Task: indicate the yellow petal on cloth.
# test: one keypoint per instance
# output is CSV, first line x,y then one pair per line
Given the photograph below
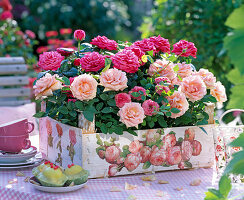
x,y
148,178
20,173
196,182
162,182
115,189
129,186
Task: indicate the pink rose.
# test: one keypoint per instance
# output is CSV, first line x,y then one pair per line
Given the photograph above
x,y
46,85
113,79
185,49
101,154
161,44
77,62
1,41
181,165
137,89
72,137
50,60
207,77
193,87
138,52
121,99
178,100
184,69
145,153
152,136
160,79
104,43
120,160
126,60
145,45
158,156
135,146
131,114
112,170
30,34
197,148
160,89
150,107
219,92
111,154
186,150
92,62
163,68
174,155
132,161
79,35
6,15
189,134
84,87
59,130
169,140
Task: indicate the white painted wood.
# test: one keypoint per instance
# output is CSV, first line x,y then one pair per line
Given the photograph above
x,y
15,92
12,60
14,80
14,103
13,69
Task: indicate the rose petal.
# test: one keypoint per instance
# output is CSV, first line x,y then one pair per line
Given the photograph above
x,y
159,193
115,189
20,173
13,181
131,197
196,182
27,179
146,184
162,182
179,188
129,186
148,178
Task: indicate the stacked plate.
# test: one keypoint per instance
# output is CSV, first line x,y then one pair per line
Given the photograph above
x,y
26,158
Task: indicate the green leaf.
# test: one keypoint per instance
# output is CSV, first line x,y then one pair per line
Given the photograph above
x,y
188,164
151,124
73,113
203,129
99,106
111,102
143,98
131,132
150,53
168,114
79,105
225,185
65,88
107,110
104,97
40,114
63,110
146,165
209,98
66,80
108,62
174,110
176,68
89,115
234,164
135,94
150,59
162,122
235,19
213,194
238,142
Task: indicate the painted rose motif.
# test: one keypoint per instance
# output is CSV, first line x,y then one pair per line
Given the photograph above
x,y
152,137
169,140
181,165
59,130
120,160
158,156
72,137
174,155
197,148
101,154
111,154
49,127
189,134
186,150
145,153
135,146
132,161
112,170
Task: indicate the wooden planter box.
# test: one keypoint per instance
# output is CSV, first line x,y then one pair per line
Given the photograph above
x,y
151,150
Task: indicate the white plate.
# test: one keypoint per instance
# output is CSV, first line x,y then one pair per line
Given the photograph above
x,y
20,157
57,189
22,166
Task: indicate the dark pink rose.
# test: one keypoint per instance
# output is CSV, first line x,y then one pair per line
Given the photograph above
x,y
101,154
121,99
197,148
103,42
72,137
111,154
77,62
186,150
169,140
174,155
65,51
132,161
145,153
161,44
126,60
50,60
72,100
189,134
158,156
150,107
160,79
145,45
92,62
185,49
138,52
137,89
30,34
181,165
79,35
112,170
1,41
6,15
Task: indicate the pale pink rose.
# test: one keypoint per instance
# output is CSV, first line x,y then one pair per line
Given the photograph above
x,y
135,146
112,170
101,154
132,161
150,107
219,92
46,85
131,114
176,81
72,137
158,156
178,100
189,134
160,89
184,69
197,148
152,136
111,154
174,155
120,160
145,153
208,78
181,165
194,88
169,140
186,150
121,99
84,87
162,68
113,79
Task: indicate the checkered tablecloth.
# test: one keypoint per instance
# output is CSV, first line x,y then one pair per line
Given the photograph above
x,y
100,188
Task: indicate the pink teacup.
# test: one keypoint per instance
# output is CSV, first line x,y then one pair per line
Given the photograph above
x,y
16,128
14,144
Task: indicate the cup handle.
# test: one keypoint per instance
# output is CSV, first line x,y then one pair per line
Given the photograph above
x,y
27,144
30,127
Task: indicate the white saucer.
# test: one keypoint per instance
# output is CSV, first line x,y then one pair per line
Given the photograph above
x,y
19,157
57,189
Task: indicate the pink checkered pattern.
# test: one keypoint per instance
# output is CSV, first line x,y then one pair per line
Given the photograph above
x,y
100,188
